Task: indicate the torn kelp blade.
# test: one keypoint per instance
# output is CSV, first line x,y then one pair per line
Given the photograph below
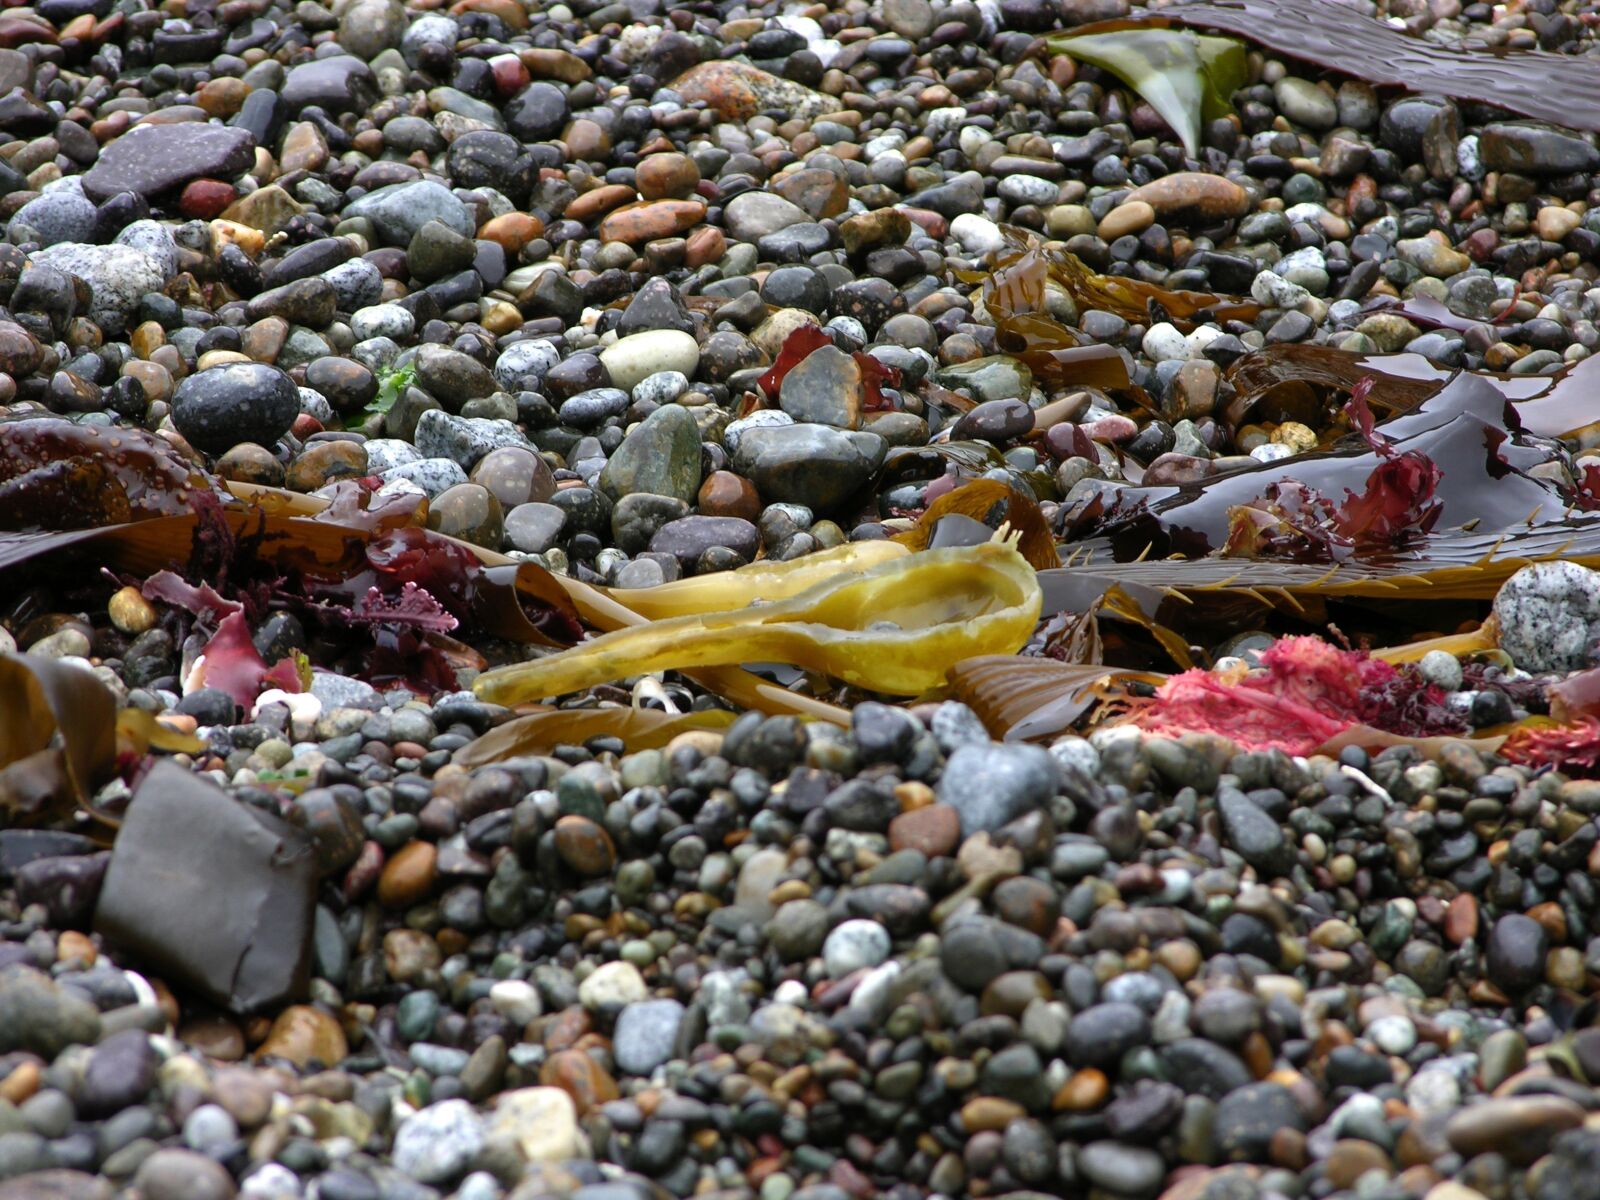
x,y
214,894
1186,77
58,474
1561,88
1036,699
896,628
989,503
1308,383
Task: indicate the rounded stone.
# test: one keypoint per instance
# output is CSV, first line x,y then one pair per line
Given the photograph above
x,y
218,408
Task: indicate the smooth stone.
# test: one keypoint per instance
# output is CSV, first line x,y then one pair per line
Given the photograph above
x,y
218,408
439,1142
542,1121
812,465
155,159
645,1035
465,440
630,360
992,785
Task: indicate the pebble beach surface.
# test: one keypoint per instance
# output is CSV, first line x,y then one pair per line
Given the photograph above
x,y
529,259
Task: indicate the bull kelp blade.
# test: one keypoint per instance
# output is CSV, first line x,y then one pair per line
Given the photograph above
x,y
897,627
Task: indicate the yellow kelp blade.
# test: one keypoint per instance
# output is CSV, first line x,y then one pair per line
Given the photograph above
x,y
759,583
895,628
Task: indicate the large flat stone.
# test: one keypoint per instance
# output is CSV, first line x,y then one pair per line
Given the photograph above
x,y
156,159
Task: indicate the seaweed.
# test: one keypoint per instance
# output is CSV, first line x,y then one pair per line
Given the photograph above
x,y
1186,77
897,627
1560,88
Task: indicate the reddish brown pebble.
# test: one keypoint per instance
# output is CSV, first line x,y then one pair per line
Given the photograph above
x,y
724,494
934,830
640,223
205,199
584,846
599,201
409,875
578,1074
666,176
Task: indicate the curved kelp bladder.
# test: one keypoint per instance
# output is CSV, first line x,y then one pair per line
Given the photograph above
x,y
897,627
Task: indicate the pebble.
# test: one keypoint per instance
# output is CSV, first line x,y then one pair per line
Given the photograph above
x,y
531,264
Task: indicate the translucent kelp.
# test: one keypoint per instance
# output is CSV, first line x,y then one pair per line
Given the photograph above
x,y
988,503
57,737
57,474
1014,290
1466,430
1560,88
897,627
1186,77
1311,384
542,731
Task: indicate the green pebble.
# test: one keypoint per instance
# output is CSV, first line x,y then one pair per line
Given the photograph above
x,y
416,1015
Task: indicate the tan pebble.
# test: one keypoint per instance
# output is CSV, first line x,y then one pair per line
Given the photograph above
x,y
22,1083
73,945
1553,222
131,612
409,875
1131,216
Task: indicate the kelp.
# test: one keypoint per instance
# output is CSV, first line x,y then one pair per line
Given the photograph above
x,y
56,474
1310,384
759,582
57,737
594,606
991,503
1484,480
1188,78
1013,293
895,628
1452,566
542,731
1037,699
1561,88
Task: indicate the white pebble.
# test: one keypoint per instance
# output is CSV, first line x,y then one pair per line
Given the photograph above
x,y
1442,668
1274,290
516,1000
977,235
1163,342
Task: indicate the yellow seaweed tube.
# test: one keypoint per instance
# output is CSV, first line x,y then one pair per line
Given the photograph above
x,y
897,627
760,582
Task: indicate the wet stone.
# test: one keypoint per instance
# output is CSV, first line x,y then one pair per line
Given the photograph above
x,y
155,159
219,408
991,785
